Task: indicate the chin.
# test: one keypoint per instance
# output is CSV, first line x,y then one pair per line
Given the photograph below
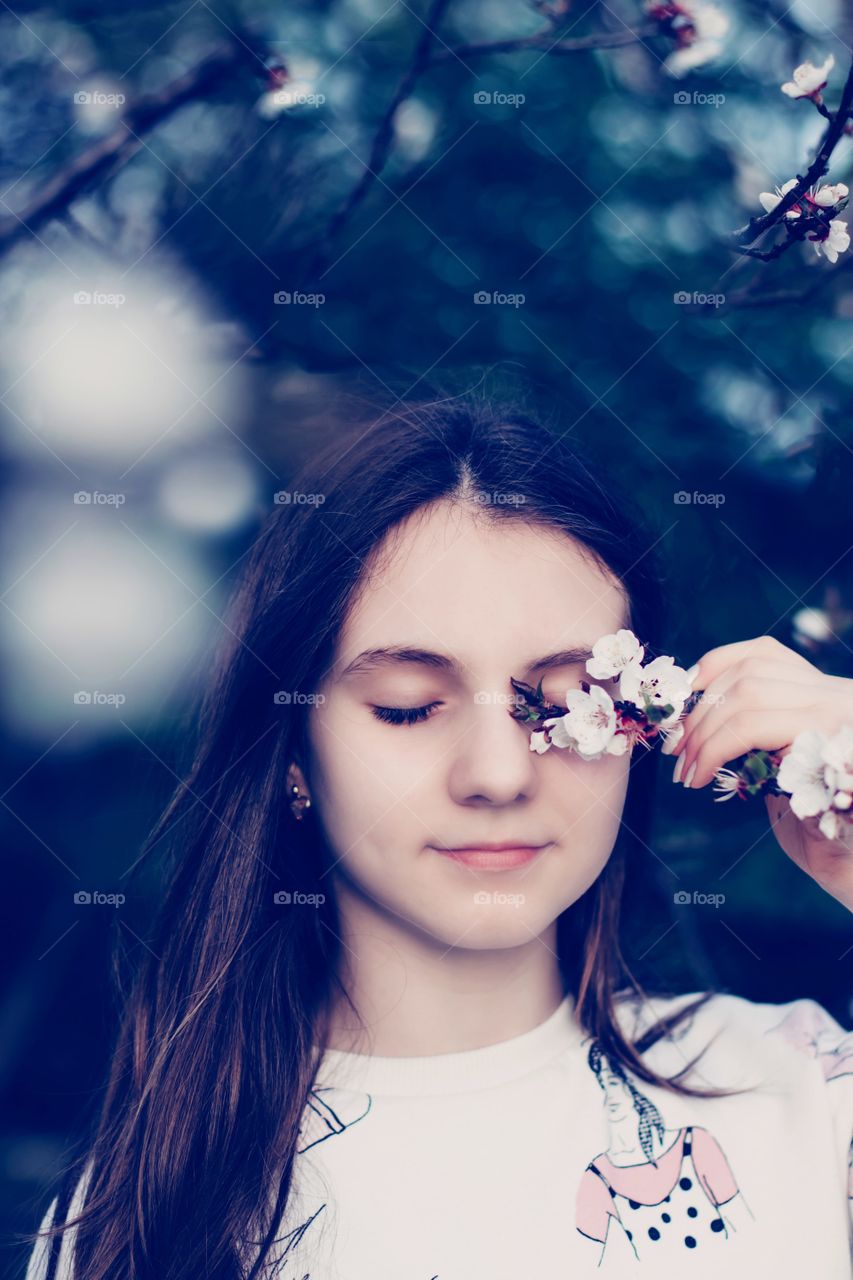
x,y
490,926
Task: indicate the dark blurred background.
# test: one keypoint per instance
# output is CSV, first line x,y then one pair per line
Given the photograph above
x,y
225,230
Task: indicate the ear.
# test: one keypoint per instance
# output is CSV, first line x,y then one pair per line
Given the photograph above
x,y
295,777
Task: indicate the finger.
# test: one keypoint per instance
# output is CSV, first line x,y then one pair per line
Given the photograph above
x,y
740,680
716,661
764,695
768,729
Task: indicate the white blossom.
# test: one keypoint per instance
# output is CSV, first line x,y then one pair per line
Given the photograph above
x,y
838,754
838,240
706,25
812,624
657,684
808,79
830,825
293,86
727,782
802,773
612,653
835,827
830,194
538,741
589,725
671,736
770,199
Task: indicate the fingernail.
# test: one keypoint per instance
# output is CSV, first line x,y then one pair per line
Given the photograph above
x,y
692,673
676,773
690,773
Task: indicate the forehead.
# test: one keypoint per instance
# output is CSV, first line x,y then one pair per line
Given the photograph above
x,y
487,592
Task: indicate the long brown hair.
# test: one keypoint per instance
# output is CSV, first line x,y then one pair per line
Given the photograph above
x,y
191,1153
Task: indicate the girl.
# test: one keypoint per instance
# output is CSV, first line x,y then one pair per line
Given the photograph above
x,y
384,1027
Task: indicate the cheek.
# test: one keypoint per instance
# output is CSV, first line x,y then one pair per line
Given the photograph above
x,y
374,777
590,794
587,800
364,793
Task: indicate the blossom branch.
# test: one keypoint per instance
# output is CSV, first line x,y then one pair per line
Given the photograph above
x,y
783,246
693,26
653,700
836,129
752,297
384,136
546,41
108,154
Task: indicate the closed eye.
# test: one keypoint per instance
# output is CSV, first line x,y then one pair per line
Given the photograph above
x,y
404,715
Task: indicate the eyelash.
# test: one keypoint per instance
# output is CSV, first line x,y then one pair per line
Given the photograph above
x,y
404,715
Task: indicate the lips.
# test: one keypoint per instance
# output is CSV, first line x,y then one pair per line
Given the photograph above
x,y
493,846
502,856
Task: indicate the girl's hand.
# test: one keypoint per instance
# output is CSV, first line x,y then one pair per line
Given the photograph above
x,y
759,693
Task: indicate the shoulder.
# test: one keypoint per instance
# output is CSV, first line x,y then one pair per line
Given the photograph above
x,y
797,1039
37,1265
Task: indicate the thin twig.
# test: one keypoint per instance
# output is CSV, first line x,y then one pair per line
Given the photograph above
x,y
770,255
105,156
384,136
545,41
819,166
748,297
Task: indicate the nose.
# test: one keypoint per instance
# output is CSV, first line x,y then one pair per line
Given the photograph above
x,y
492,762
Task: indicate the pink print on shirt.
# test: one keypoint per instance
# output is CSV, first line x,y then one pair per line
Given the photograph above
x,y
655,1192
809,1028
813,1031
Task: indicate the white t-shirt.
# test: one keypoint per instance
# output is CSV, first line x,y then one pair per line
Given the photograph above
x,y
536,1158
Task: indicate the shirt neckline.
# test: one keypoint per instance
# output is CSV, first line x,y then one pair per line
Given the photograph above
x,y
443,1073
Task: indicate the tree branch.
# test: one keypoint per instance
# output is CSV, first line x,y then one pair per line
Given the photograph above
x,y
105,156
748,297
384,136
819,166
546,41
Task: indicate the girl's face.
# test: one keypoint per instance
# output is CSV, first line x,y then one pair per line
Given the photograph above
x,y
617,1098
489,601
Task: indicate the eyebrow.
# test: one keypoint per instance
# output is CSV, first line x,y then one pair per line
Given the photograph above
x,y
402,655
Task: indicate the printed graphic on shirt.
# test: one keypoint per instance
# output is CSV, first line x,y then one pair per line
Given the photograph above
x,y
655,1192
811,1030
328,1113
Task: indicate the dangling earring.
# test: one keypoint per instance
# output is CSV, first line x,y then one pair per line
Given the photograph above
x,y
300,800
